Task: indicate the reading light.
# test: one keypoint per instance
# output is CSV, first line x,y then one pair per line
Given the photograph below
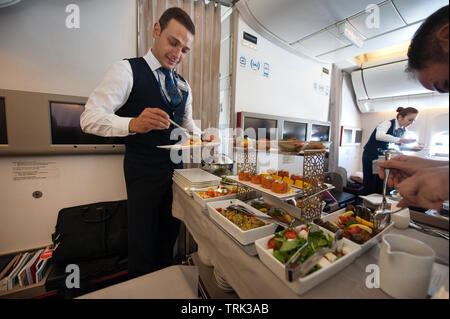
x,y
351,34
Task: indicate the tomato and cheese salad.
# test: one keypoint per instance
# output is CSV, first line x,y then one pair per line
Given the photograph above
x,y
286,242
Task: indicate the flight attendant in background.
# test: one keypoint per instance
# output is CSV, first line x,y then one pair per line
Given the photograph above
x,y
386,132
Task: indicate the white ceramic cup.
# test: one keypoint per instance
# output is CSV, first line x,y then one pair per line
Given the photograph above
x,y
401,219
405,266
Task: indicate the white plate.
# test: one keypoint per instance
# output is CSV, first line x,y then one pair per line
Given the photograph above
x,y
244,237
291,191
196,175
334,217
185,183
203,201
178,147
302,285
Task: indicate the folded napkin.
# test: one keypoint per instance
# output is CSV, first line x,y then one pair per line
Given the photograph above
x,y
376,199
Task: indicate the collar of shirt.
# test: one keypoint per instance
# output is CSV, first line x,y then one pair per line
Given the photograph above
x,y
397,125
153,63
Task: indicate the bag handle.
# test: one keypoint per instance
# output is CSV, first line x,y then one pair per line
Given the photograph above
x,y
107,215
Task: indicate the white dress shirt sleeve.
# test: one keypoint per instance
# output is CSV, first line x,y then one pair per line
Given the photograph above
x,y
382,135
98,117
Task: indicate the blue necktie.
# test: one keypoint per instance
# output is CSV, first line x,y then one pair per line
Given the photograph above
x,y
399,132
171,88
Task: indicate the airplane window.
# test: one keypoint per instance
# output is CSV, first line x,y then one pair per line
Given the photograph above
x,y
440,144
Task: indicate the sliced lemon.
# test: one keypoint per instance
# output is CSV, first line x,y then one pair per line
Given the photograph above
x,y
362,227
347,214
364,222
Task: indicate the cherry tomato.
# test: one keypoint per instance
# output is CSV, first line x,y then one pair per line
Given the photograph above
x,y
219,210
273,244
354,230
343,219
290,234
211,193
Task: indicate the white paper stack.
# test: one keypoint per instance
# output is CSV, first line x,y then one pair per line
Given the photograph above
x,y
194,178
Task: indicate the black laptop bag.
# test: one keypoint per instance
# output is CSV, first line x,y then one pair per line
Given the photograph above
x,y
88,232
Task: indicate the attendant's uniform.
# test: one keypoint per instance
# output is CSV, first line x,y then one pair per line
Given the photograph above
x,y
385,133
128,88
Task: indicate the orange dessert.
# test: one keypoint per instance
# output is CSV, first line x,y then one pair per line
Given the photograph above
x,y
245,176
283,173
266,182
279,187
296,177
256,179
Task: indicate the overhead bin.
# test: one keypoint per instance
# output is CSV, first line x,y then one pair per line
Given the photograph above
x,y
388,80
384,87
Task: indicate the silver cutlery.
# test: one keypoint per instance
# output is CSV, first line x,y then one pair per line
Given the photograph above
x,y
185,131
269,219
427,230
292,269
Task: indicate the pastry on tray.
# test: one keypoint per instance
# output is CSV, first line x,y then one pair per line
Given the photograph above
x,y
266,182
245,176
283,173
256,179
279,187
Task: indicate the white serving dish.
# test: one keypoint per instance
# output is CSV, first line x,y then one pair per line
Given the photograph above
x,y
203,201
302,285
196,176
334,217
244,237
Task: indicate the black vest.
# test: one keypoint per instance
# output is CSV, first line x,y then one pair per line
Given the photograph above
x,y
146,93
373,144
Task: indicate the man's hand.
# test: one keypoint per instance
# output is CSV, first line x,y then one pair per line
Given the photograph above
x,y
149,119
403,166
428,188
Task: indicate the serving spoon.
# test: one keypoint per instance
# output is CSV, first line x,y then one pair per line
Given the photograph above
x,y
384,209
262,218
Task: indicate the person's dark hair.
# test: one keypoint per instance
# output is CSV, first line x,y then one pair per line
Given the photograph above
x,y
403,111
178,14
425,46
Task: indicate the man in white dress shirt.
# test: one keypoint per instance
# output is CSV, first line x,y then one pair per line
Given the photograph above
x,y
135,100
